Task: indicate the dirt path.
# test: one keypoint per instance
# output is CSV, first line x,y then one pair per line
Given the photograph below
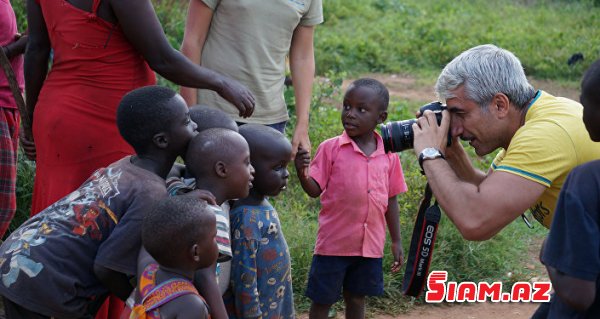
x,y
414,89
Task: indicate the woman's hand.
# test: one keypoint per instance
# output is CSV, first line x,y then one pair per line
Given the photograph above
x,y
238,95
27,143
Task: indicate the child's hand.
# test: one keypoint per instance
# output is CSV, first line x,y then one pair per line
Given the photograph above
x,y
204,195
398,254
177,170
302,162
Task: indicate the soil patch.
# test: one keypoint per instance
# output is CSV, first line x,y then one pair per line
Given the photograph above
x,y
407,87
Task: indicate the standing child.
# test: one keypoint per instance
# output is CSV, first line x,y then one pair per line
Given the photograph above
x,y
261,280
13,46
358,183
179,237
571,253
64,261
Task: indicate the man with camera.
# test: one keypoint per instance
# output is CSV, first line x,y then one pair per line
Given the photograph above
x,y
491,105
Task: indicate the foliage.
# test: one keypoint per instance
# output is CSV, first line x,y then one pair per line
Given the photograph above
x,y
419,37
413,35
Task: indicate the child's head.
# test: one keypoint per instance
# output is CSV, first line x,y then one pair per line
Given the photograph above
x,y
209,117
270,152
590,99
365,106
155,117
220,158
180,233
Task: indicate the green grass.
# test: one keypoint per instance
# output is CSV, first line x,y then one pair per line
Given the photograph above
x,y
418,38
416,35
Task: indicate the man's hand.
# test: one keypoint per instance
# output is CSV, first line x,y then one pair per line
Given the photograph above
x,y
427,133
238,95
398,254
26,139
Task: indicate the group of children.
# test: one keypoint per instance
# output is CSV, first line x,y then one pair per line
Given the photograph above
x,y
202,239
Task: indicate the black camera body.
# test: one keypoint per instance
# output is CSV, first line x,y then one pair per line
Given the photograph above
x,y
398,135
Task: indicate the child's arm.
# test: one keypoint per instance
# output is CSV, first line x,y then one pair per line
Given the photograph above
x,y
117,283
189,307
392,218
302,162
579,294
177,170
205,280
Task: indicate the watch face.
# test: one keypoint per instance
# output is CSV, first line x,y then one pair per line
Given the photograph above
x,y
430,152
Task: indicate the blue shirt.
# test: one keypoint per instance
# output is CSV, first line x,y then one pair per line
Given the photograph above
x,y
261,278
573,245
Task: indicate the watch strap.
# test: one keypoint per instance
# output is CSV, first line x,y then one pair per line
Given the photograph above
x,y
422,158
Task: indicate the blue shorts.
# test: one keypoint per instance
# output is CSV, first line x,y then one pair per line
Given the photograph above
x,y
355,274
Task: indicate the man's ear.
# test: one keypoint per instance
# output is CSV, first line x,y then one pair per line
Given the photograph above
x,y
160,140
221,169
500,105
195,252
382,117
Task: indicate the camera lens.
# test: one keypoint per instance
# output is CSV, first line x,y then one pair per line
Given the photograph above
x,y
397,136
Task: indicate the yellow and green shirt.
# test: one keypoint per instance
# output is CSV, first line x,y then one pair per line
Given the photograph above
x,y
547,147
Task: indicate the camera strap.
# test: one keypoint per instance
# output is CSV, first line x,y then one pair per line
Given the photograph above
x,y
421,245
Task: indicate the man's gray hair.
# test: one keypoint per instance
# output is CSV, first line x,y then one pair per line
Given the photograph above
x,y
485,70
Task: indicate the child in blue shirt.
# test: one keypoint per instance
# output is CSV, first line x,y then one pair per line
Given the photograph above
x,y
261,280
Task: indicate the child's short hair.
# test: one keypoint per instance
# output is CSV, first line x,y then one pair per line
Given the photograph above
x,y
209,146
378,87
173,226
207,117
144,112
591,82
258,135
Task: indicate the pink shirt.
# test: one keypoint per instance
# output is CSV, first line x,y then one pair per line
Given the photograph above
x,y
8,29
354,201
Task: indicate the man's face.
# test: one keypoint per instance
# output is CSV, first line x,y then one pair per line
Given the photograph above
x,y
473,124
591,115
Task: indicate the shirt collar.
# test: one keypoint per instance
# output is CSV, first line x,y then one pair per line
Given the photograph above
x,y
345,139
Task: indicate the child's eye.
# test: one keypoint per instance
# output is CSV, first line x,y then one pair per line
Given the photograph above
x,y
346,107
362,110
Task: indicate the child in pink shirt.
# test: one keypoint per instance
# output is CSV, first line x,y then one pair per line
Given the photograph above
x,y
358,184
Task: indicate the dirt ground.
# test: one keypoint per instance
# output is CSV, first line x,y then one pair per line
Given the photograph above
x,y
411,88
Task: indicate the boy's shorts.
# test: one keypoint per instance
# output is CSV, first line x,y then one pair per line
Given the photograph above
x,y
355,274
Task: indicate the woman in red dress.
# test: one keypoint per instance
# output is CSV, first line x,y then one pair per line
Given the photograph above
x,y
101,51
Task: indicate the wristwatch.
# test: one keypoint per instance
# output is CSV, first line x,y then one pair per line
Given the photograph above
x,y
429,153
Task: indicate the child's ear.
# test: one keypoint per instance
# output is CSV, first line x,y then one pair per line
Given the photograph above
x,y
221,169
382,117
160,140
195,252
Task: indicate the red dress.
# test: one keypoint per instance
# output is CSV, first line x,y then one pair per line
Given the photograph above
x,y
74,125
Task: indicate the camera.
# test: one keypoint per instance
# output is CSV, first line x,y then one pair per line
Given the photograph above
x,y
398,135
